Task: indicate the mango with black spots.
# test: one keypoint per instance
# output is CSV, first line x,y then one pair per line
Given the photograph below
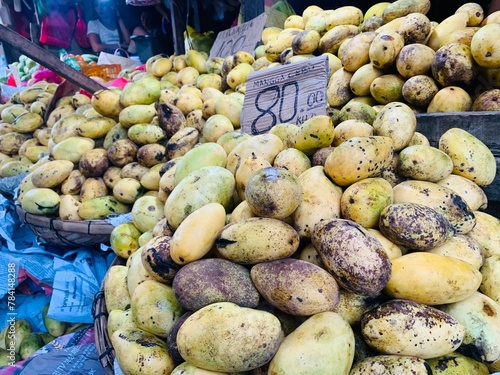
x,y
404,327
273,192
358,158
422,162
353,255
480,316
205,185
211,280
27,122
391,364
321,200
213,338
52,173
471,157
440,198
455,364
304,288
41,201
101,207
136,348
182,142
156,259
257,239
415,226
155,308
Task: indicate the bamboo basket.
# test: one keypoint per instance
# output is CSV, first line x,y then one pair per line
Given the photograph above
x,y
67,233
103,345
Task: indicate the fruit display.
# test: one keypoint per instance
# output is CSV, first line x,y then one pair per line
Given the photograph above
x,y
30,72
340,245
25,68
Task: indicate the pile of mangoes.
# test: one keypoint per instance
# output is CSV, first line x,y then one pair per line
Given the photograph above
x,y
340,245
394,52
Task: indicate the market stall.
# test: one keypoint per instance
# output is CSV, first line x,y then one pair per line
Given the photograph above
x,y
315,190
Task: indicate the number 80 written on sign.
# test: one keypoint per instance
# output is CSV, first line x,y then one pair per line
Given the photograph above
x,y
288,92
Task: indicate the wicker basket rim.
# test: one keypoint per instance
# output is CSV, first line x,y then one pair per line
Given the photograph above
x,y
103,344
84,226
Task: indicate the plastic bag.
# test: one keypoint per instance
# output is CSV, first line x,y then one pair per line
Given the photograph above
x,y
73,353
7,90
201,42
56,27
68,59
108,58
277,12
46,75
81,30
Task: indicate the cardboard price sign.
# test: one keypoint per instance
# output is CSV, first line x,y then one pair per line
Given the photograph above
x,y
291,93
240,38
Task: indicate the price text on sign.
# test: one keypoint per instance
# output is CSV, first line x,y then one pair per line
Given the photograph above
x,y
291,93
240,38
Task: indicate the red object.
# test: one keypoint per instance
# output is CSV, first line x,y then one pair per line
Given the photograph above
x,y
11,81
46,75
81,30
86,93
117,82
25,289
22,24
57,28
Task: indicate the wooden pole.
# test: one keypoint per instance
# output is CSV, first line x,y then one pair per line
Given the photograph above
x,y
178,11
48,60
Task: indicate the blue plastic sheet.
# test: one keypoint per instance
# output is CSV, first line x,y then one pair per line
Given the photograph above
x,y
69,278
42,273
73,354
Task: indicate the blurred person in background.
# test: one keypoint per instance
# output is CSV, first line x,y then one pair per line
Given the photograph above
x,y
155,24
153,21
108,32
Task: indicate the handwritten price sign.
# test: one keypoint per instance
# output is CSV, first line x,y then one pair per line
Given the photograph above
x,y
240,38
290,93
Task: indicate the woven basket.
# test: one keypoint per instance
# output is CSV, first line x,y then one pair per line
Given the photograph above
x,y
67,233
103,345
